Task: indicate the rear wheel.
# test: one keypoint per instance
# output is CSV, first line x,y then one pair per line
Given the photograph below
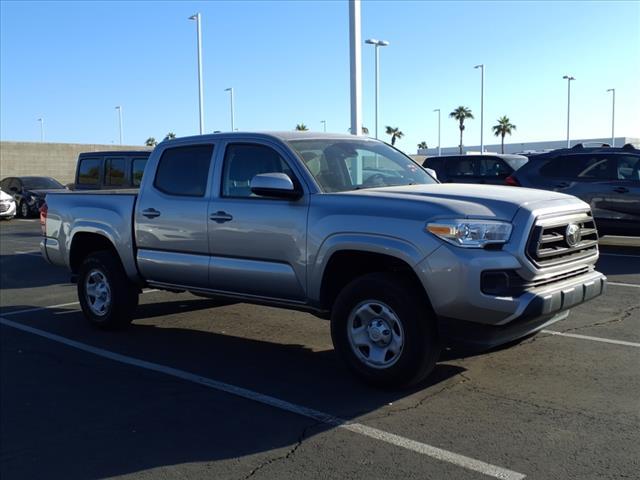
x,y
383,329
107,296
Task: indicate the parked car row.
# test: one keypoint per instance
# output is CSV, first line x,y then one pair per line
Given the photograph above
x,y
28,193
608,179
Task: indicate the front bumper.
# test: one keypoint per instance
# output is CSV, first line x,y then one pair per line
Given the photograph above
x,y
540,308
8,210
452,278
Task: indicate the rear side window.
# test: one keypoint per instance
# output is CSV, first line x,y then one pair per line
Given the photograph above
x,y
460,167
137,170
587,167
494,167
184,171
114,171
89,171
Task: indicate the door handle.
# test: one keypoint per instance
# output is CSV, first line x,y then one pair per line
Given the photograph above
x,y
220,217
151,213
621,190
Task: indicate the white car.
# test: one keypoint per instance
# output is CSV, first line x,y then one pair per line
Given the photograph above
x,y
7,206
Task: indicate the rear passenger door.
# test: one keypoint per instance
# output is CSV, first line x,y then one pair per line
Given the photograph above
x,y
258,244
171,217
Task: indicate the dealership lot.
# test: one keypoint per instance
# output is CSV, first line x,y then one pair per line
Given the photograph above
x,y
196,389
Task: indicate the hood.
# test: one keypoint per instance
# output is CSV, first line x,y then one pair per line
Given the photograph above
x,y
5,196
471,200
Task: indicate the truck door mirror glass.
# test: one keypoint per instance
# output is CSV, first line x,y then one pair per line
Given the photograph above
x,y
276,185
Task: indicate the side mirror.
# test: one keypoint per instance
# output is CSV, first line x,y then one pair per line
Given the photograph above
x,y
275,185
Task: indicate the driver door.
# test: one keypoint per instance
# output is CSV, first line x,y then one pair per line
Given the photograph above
x,y
257,244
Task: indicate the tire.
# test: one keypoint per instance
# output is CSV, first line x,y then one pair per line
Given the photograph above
x,y
385,309
114,298
23,210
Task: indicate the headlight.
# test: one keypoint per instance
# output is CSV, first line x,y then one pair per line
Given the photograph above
x,y
471,233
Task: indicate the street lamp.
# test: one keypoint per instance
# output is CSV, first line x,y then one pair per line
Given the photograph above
x,y
438,110
568,78
119,109
230,90
41,120
613,116
324,125
377,44
481,67
197,18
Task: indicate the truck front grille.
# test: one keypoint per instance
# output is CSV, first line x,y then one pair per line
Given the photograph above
x,y
551,241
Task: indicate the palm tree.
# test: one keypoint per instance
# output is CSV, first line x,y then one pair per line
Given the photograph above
x,y
150,142
170,136
395,134
461,114
504,127
423,145
301,127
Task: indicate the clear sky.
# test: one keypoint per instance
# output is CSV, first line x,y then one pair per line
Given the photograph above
x,y
288,61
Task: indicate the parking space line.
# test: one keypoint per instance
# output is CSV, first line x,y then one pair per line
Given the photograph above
x,y
593,339
60,305
374,433
35,253
620,284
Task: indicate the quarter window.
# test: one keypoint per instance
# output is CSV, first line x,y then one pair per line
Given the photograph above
x,y
89,171
242,162
184,171
114,171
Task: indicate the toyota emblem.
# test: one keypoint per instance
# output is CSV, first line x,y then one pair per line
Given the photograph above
x,y
573,234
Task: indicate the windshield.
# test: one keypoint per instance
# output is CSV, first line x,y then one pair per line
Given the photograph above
x,y
339,165
40,183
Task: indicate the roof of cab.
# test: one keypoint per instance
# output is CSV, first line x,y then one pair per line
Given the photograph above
x,y
281,135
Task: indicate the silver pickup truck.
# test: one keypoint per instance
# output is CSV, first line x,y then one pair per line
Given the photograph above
x,y
347,228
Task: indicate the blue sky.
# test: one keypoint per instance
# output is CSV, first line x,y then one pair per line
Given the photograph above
x,y
288,61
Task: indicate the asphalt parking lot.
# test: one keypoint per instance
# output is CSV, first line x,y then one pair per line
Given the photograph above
x,y
196,389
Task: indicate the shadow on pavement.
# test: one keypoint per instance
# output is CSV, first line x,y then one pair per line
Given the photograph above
x,y
68,414
29,271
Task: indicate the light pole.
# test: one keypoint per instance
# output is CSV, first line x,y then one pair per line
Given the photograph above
x,y
197,18
568,78
355,67
377,44
324,125
41,120
613,116
481,67
230,90
119,109
438,110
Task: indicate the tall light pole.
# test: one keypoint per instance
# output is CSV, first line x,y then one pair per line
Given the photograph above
x,y
377,44
324,125
355,66
119,109
41,120
197,18
568,78
230,90
613,116
481,67
438,110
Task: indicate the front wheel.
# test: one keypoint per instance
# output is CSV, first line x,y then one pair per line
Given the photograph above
x,y
24,210
383,329
107,296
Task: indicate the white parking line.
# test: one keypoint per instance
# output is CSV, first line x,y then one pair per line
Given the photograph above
x,y
593,339
35,253
620,284
390,438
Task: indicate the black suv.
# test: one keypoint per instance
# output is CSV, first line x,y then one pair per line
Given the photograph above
x,y
114,169
606,178
489,168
